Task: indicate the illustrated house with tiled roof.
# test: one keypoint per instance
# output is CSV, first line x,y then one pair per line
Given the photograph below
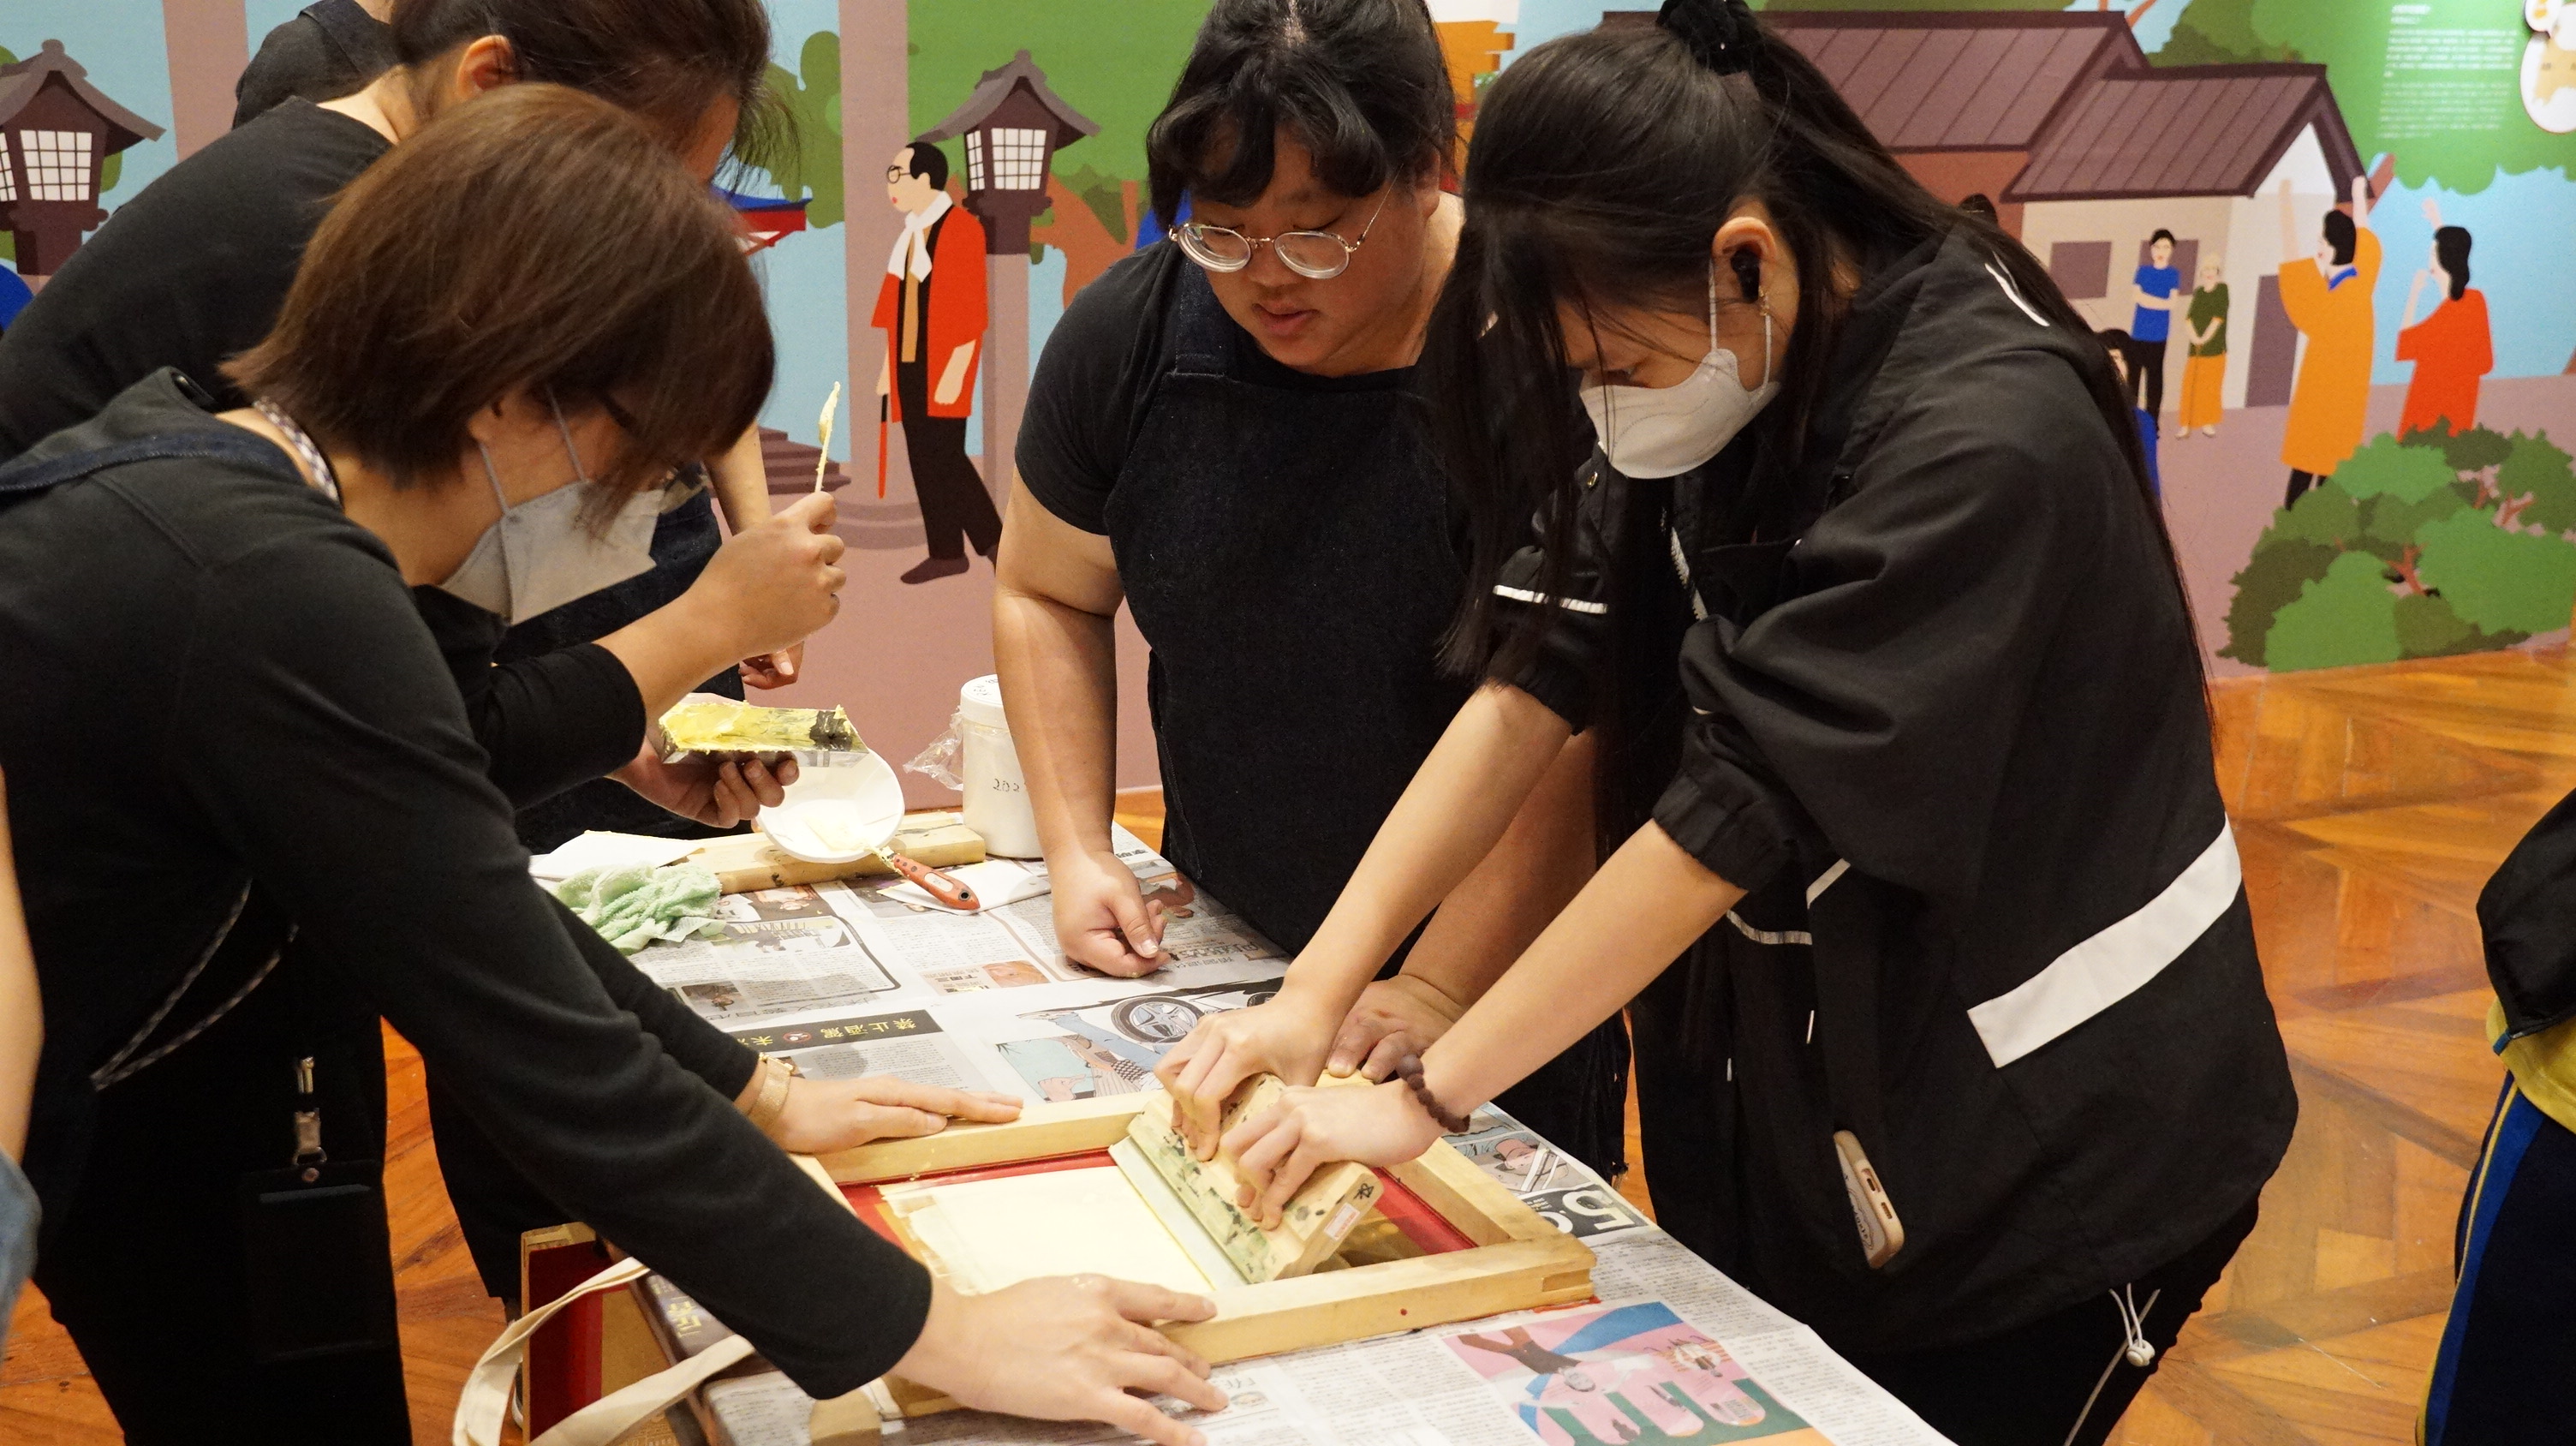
x,y
2086,150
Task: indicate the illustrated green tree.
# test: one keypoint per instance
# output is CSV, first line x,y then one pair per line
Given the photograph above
x,y
2474,450
2427,628
2218,32
2538,483
2387,467
2496,580
2397,556
806,161
2272,579
2346,617
1101,192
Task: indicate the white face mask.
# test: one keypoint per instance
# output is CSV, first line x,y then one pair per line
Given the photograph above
x,y
540,555
1666,431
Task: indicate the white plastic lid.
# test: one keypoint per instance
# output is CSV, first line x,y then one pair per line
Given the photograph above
x,y
980,701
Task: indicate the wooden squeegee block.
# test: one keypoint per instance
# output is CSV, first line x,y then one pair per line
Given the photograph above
x,y
1318,1218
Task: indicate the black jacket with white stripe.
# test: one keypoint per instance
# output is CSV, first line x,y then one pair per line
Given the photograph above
x,y
1939,709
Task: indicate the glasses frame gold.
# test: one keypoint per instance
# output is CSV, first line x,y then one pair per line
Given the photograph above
x,y
1191,237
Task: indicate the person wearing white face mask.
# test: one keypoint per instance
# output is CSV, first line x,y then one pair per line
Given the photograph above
x,y
1951,1039
478,388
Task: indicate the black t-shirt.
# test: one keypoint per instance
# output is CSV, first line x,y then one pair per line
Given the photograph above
x,y
1095,382
187,274
193,271
263,706
330,48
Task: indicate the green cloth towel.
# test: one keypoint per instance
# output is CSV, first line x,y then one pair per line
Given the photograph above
x,y
631,905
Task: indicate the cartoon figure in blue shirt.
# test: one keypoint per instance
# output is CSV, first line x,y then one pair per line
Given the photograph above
x,y
2153,290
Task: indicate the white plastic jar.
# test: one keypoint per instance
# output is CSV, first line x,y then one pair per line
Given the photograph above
x,y
997,799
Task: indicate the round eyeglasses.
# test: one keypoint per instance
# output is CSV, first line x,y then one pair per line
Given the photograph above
x,y
1316,255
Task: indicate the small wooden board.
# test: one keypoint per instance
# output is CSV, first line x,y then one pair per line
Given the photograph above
x,y
745,862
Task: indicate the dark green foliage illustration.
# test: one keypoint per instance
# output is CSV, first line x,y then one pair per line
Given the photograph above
x,y
2536,469
1101,195
2348,616
2219,32
2271,580
2437,545
805,161
2474,450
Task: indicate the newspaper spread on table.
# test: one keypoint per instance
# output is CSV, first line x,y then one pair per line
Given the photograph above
x,y
867,977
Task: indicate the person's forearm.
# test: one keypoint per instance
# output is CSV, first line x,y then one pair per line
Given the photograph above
x,y
1544,859
671,650
1627,926
22,1011
1068,747
741,483
694,1044
1456,809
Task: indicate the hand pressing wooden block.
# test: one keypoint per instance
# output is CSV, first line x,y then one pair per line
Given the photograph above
x,y
1317,1218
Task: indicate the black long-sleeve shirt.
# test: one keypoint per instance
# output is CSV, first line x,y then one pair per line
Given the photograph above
x,y
192,272
218,681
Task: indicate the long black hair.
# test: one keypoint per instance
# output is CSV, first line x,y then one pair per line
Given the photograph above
x,y
1359,83
2451,248
1602,166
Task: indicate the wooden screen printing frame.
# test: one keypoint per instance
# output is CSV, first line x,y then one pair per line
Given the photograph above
x,y
1516,1260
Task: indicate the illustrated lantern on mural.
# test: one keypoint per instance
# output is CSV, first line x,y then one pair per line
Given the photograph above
x,y
1011,127
56,133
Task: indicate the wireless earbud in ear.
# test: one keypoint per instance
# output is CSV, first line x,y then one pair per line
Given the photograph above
x,y
1748,272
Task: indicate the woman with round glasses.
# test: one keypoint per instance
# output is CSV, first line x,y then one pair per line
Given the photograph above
x,y
1224,434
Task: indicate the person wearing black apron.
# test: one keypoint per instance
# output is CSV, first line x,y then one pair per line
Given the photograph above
x,y
1224,433
1952,1042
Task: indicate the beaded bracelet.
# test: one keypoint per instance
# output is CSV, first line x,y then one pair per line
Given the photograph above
x,y
1409,1069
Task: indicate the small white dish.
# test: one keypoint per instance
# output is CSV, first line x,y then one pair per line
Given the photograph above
x,y
839,810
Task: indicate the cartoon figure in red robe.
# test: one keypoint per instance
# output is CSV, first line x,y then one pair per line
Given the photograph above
x,y
2452,348
931,309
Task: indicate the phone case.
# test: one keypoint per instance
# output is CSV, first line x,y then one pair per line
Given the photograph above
x,y
1881,1233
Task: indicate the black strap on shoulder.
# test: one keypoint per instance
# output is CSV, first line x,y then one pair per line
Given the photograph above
x,y
1198,327
29,474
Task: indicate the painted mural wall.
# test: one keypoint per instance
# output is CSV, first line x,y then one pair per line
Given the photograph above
x,y
2425,384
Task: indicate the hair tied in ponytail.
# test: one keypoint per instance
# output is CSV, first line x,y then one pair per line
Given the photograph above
x,y
1720,33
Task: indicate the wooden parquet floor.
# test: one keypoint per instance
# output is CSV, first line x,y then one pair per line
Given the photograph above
x,y
2370,806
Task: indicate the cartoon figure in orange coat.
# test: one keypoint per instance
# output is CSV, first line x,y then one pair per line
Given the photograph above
x,y
2452,348
931,308
2327,296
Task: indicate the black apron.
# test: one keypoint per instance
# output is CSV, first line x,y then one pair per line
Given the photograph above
x,y
1287,551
